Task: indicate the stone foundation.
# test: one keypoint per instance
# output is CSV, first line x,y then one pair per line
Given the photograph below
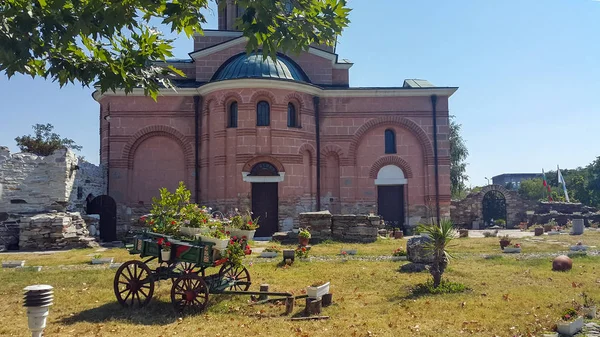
x,y
55,231
355,228
345,228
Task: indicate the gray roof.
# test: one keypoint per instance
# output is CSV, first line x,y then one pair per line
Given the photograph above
x,y
253,66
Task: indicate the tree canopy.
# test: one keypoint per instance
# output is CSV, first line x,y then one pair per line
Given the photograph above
x,y
458,155
583,185
44,142
113,42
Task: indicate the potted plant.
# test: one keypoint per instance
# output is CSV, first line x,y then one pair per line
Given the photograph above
x,y
302,253
317,289
579,247
270,252
195,220
589,306
398,233
236,250
350,251
218,236
399,255
97,259
570,323
303,236
165,249
550,225
504,241
516,248
344,255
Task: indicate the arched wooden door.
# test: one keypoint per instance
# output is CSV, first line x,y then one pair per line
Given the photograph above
x,y
107,208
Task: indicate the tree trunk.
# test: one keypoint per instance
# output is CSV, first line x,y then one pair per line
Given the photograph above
x,y
437,278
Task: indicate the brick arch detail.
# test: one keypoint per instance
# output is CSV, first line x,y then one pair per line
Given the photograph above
x,y
330,149
229,97
402,122
157,131
271,160
296,98
263,95
390,160
208,103
498,188
309,148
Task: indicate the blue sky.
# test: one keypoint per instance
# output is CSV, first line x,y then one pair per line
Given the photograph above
x,y
528,72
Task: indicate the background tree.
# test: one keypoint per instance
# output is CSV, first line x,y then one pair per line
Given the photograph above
x,y
533,189
458,155
113,41
44,142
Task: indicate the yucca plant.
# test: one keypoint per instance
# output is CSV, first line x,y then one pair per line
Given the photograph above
x,y
440,236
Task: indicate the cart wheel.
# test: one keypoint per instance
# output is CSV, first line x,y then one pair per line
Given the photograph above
x,y
183,268
237,273
134,283
189,293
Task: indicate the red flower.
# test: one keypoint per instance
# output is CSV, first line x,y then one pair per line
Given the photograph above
x,y
143,218
249,222
231,242
204,220
235,238
161,241
244,237
228,232
303,249
168,244
173,222
247,247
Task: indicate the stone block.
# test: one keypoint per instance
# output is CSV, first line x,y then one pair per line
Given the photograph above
x,y
416,251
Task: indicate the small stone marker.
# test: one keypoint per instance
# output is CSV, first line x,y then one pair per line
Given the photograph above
x,y
578,227
13,264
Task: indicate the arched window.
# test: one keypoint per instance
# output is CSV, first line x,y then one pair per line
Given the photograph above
x,y
390,141
233,115
292,116
263,114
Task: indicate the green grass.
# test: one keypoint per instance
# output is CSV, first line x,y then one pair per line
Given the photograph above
x,y
508,296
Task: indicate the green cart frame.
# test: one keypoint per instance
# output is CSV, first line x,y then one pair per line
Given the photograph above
x,y
186,266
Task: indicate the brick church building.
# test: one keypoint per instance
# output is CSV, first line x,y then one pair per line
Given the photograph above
x,y
278,138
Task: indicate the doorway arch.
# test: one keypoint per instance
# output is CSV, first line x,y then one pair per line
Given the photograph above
x,y
493,206
265,178
106,207
391,192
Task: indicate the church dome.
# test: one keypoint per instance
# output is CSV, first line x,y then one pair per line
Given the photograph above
x,y
253,66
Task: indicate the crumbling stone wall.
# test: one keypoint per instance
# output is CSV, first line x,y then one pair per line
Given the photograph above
x,y
31,183
345,228
464,212
55,231
469,209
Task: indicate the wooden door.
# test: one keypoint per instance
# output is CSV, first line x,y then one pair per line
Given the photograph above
x,y
265,206
390,204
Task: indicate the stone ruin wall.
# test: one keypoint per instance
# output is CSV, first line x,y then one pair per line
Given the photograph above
x,y
346,228
469,210
37,187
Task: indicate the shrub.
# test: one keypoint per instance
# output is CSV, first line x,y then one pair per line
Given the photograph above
x,y
445,287
304,233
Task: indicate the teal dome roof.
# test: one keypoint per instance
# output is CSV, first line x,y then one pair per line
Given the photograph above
x,y
253,66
